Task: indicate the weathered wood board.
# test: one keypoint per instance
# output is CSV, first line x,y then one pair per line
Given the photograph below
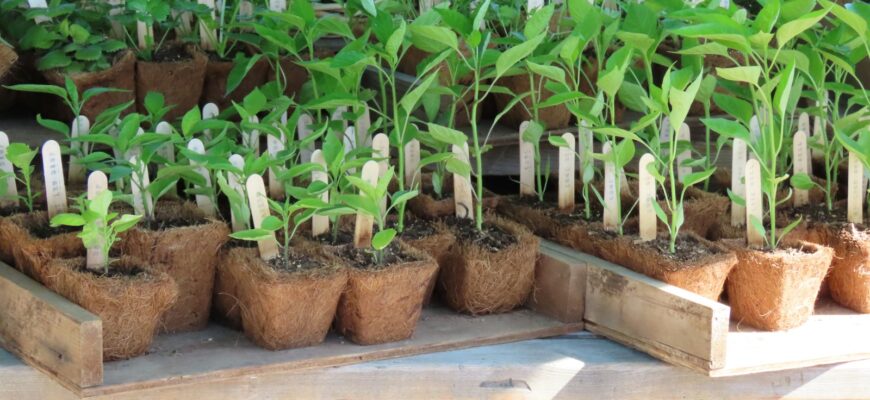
x,y
560,284
49,332
685,329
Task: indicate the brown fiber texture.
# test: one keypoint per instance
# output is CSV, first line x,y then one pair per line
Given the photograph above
x,y
776,290
282,310
555,117
188,254
29,252
428,206
180,82
8,57
129,306
849,279
121,75
383,305
214,89
704,276
477,281
437,246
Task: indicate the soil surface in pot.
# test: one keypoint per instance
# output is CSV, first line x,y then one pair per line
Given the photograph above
x,y
171,54
417,229
687,248
45,231
551,210
365,258
818,213
296,264
492,238
169,223
12,210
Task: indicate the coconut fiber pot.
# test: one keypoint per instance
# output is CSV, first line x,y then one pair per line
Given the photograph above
x,y
555,117
698,266
185,244
121,75
8,57
776,290
477,280
129,301
433,238
27,241
282,309
178,72
217,72
428,206
849,278
383,304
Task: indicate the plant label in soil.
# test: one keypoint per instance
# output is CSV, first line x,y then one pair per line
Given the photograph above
x,y
143,203
646,197
278,5
55,188
801,162
97,183
362,231
363,125
567,167
611,218
80,126
143,32
412,163
684,136
527,164
534,5
202,201
426,5
207,36
349,139
209,111
818,138
182,28
10,197
665,131
803,123
338,115
246,10
38,4
136,151
381,151
235,185
754,132
259,211
754,207
303,130
251,139
274,145
462,195
320,223
855,199
738,186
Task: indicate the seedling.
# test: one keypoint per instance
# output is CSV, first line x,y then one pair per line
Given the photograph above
x,y
21,157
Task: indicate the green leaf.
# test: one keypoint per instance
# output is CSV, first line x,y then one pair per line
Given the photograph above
x,y
447,135
803,181
432,39
548,71
271,223
383,239
53,60
67,220
791,29
253,235
728,128
740,74
783,89
126,222
557,141
89,53
513,55
539,21
410,99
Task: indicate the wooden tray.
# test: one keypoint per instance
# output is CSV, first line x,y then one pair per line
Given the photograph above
x,y
683,328
218,353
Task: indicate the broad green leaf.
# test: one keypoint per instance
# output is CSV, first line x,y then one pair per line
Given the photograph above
x,y
67,220
740,74
516,53
791,29
383,239
447,135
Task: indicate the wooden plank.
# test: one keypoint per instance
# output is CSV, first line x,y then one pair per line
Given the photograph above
x,y
218,353
48,331
665,321
560,284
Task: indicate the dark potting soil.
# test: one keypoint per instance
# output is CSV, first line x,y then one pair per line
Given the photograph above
x,y
550,209
45,231
213,56
342,238
171,54
687,248
492,238
296,263
12,210
365,258
416,229
163,224
818,213
114,273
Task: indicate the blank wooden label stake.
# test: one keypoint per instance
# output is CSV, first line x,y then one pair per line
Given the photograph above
x,y
646,198
55,188
362,233
855,199
303,130
381,151
611,218
527,164
754,206
143,203
81,126
738,186
320,223
275,145
97,183
209,111
202,201
462,195
567,167
259,211
412,163
11,196
801,161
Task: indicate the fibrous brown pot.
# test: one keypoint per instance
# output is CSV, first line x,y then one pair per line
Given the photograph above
x,y
555,117
129,305
702,272
427,206
186,244
8,57
476,281
180,81
121,75
28,242
214,89
849,279
776,290
436,244
384,304
281,309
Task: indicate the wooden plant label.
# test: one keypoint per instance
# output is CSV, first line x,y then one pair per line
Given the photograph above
x,y
611,219
55,188
303,130
252,139
338,114
11,197
665,131
803,123
97,183
381,150
426,5
738,187
278,5
183,28
567,171
363,125
202,201
233,181
801,161
246,10
143,32
209,111
275,145
349,139
320,223
818,137
140,189
646,198
754,207
167,151
412,163
534,5
135,150
259,211
38,4
584,141
362,232
80,126
684,136
527,164
463,198
855,199
207,36
754,128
